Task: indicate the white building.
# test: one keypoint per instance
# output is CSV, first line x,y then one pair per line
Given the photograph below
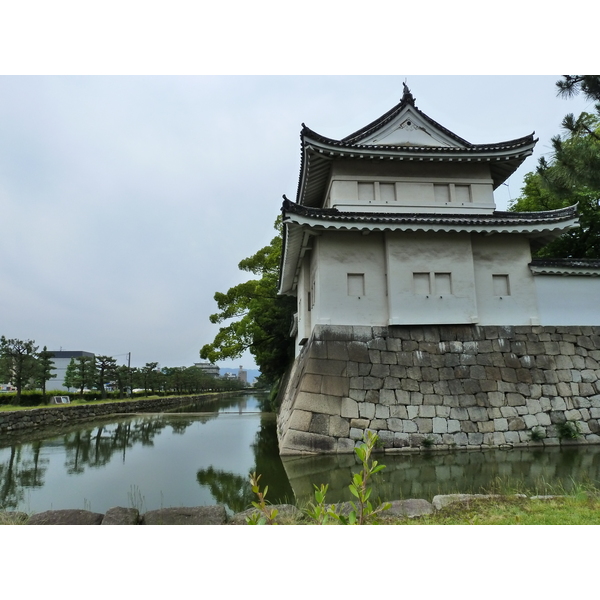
x,y
208,368
396,224
61,360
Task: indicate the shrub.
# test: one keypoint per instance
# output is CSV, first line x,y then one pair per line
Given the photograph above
x,y
569,430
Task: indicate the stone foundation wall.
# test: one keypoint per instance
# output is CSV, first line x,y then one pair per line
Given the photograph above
x,y
442,386
15,422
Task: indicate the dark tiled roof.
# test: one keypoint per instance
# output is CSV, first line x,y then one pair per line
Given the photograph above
x,y
342,144
70,353
407,99
495,218
317,152
570,263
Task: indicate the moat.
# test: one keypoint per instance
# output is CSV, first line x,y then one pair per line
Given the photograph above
x,y
202,455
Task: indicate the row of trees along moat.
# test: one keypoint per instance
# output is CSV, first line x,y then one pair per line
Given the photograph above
x,y
27,369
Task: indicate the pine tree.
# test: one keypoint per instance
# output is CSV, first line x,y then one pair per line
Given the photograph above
x,y
45,368
81,373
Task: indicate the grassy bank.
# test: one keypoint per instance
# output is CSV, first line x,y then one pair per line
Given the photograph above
x,y
79,401
580,509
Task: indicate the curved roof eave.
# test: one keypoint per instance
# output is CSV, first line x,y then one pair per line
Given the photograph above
x,y
318,153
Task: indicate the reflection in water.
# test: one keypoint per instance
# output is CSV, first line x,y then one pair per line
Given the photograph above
x,y
204,454
426,474
20,471
201,456
234,491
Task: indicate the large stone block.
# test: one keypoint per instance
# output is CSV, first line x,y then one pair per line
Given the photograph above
x,y
358,352
337,350
299,441
196,515
478,413
345,446
326,367
372,396
387,397
380,370
485,426
442,411
362,333
395,424
335,386
366,410
453,426
410,427
66,517
319,423
516,424
349,408
119,515
300,420
317,403
356,433
318,349
338,427
382,412
401,440
340,333
409,508
311,383
399,411
424,425
440,425
475,439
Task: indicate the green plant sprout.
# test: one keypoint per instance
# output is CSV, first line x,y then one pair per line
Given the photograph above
x,y
362,512
263,515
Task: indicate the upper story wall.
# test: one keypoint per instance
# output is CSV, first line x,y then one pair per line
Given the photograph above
x,y
409,187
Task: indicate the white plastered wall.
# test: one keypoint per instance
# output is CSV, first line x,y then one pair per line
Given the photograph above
x,y
407,187
497,257
350,284
430,278
568,300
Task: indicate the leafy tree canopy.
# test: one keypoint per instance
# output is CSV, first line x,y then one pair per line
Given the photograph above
x,y
261,319
572,175
18,362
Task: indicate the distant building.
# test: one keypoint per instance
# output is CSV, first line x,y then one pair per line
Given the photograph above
x,y
209,368
243,375
61,360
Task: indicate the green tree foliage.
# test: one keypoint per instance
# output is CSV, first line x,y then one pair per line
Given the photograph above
x,y
572,175
45,368
81,373
150,375
261,319
106,367
18,362
123,379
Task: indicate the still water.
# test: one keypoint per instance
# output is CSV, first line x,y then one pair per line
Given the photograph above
x,y
202,455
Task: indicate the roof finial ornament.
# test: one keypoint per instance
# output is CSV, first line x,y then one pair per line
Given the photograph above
x,y
407,96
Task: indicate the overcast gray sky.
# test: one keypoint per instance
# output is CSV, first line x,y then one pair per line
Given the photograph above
x,y
126,202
